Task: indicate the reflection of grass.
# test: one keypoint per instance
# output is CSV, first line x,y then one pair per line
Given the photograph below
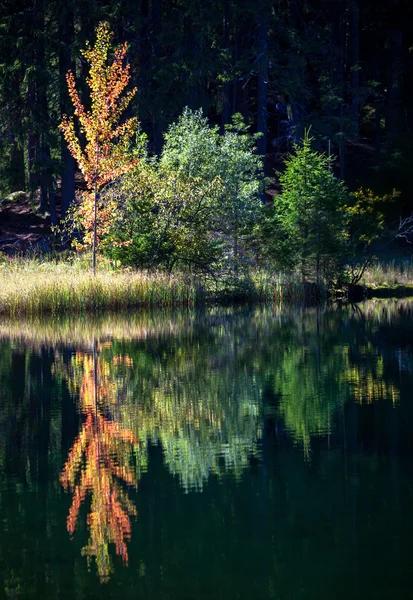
x,y
394,291
34,287
379,311
82,330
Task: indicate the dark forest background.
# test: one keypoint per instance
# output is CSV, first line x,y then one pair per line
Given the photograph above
x,y
343,67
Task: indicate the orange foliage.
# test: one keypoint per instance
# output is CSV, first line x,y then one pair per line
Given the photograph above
x,y
106,154
99,465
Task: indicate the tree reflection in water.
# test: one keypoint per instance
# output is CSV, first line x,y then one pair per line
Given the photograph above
x,y
207,392
129,404
99,466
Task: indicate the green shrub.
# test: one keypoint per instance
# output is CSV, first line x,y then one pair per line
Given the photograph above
x,y
192,207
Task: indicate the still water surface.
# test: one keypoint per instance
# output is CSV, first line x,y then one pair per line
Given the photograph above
x,y
227,454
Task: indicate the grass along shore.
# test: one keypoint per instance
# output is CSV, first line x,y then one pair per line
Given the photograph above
x,y
389,273
33,287
389,279
30,287
37,286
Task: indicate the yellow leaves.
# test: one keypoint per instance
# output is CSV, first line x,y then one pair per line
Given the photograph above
x,y
365,214
106,155
366,201
83,216
123,360
368,386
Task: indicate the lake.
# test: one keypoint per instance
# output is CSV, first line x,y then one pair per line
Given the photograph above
x,y
229,454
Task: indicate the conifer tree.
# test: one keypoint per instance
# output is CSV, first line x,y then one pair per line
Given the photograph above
x,y
311,211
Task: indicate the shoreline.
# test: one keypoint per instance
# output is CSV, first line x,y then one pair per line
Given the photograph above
x,y
30,289
395,291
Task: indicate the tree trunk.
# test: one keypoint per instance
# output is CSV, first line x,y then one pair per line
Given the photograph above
x,y
226,105
155,17
32,134
52,204
17,180
378,101
144,46
236,54
32,160
395,117
44,197
156,25
94,248
66,36
341,146
42,108
190,50
355,73
262,99
49,179
343,61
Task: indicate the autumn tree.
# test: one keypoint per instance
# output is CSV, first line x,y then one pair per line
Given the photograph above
x,y
106,153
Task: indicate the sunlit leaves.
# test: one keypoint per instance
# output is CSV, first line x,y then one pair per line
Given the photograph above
x,y
191,207
106,154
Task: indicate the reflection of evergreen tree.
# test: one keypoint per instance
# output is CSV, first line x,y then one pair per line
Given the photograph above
x,y
323,360
205,426
310,392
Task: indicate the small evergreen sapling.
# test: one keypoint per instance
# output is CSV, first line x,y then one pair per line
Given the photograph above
x,y
310,213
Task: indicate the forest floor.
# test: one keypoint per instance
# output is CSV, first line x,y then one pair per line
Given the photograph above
x,y
22,229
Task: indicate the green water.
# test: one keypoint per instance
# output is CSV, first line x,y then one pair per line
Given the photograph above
x,y
227,454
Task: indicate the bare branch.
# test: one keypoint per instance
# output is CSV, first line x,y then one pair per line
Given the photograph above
x,y
405,229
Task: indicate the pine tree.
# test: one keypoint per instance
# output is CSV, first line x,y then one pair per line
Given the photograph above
x,y
310,211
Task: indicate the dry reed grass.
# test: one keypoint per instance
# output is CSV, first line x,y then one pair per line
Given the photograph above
x,y
389,273
30,287
35,287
